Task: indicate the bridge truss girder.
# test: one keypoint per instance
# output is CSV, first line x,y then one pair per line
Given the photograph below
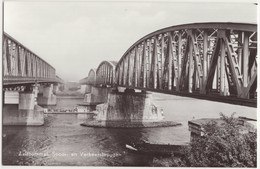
x,y
218,59
105,74
20,65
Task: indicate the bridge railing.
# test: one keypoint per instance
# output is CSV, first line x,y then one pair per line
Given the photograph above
x,y
217,58
20,65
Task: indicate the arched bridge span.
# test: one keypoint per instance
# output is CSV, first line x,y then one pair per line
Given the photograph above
x,y
106,73
90,79
201,59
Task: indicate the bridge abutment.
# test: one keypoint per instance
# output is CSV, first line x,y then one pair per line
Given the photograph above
x,y
47,95
20,108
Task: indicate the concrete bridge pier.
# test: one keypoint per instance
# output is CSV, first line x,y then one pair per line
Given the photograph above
x,y
97,95
46,96
88,89
55,88
94,96
129,109
20,108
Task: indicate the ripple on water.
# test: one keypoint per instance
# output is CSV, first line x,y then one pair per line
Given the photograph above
x,y
63,134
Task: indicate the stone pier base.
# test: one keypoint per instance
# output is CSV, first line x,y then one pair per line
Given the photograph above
x,y
25,113
88,89
46,95
127,110
97,96
47,101
13,116
122,124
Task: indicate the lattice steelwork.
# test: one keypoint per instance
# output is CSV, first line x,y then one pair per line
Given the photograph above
x,y
106,73
20,65
204,58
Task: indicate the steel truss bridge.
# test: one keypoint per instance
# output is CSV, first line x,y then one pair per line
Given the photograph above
x,y
21,66
213,61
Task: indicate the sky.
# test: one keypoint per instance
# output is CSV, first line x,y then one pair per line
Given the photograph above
x,y
77,36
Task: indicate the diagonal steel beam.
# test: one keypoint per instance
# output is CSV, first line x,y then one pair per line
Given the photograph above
x,y
235,71
209,80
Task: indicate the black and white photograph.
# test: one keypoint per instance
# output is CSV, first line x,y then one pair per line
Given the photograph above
x,y
129,83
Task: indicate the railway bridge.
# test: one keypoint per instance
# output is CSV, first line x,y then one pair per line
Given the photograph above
x,y
28,81
212,61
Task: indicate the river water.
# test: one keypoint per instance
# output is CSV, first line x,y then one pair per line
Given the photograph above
x,y
62,141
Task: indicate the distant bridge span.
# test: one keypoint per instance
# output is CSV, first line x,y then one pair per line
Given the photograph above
x,y
91,79
215,61
106,73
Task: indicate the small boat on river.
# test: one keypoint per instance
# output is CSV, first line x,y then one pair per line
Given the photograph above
x,y
156,149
